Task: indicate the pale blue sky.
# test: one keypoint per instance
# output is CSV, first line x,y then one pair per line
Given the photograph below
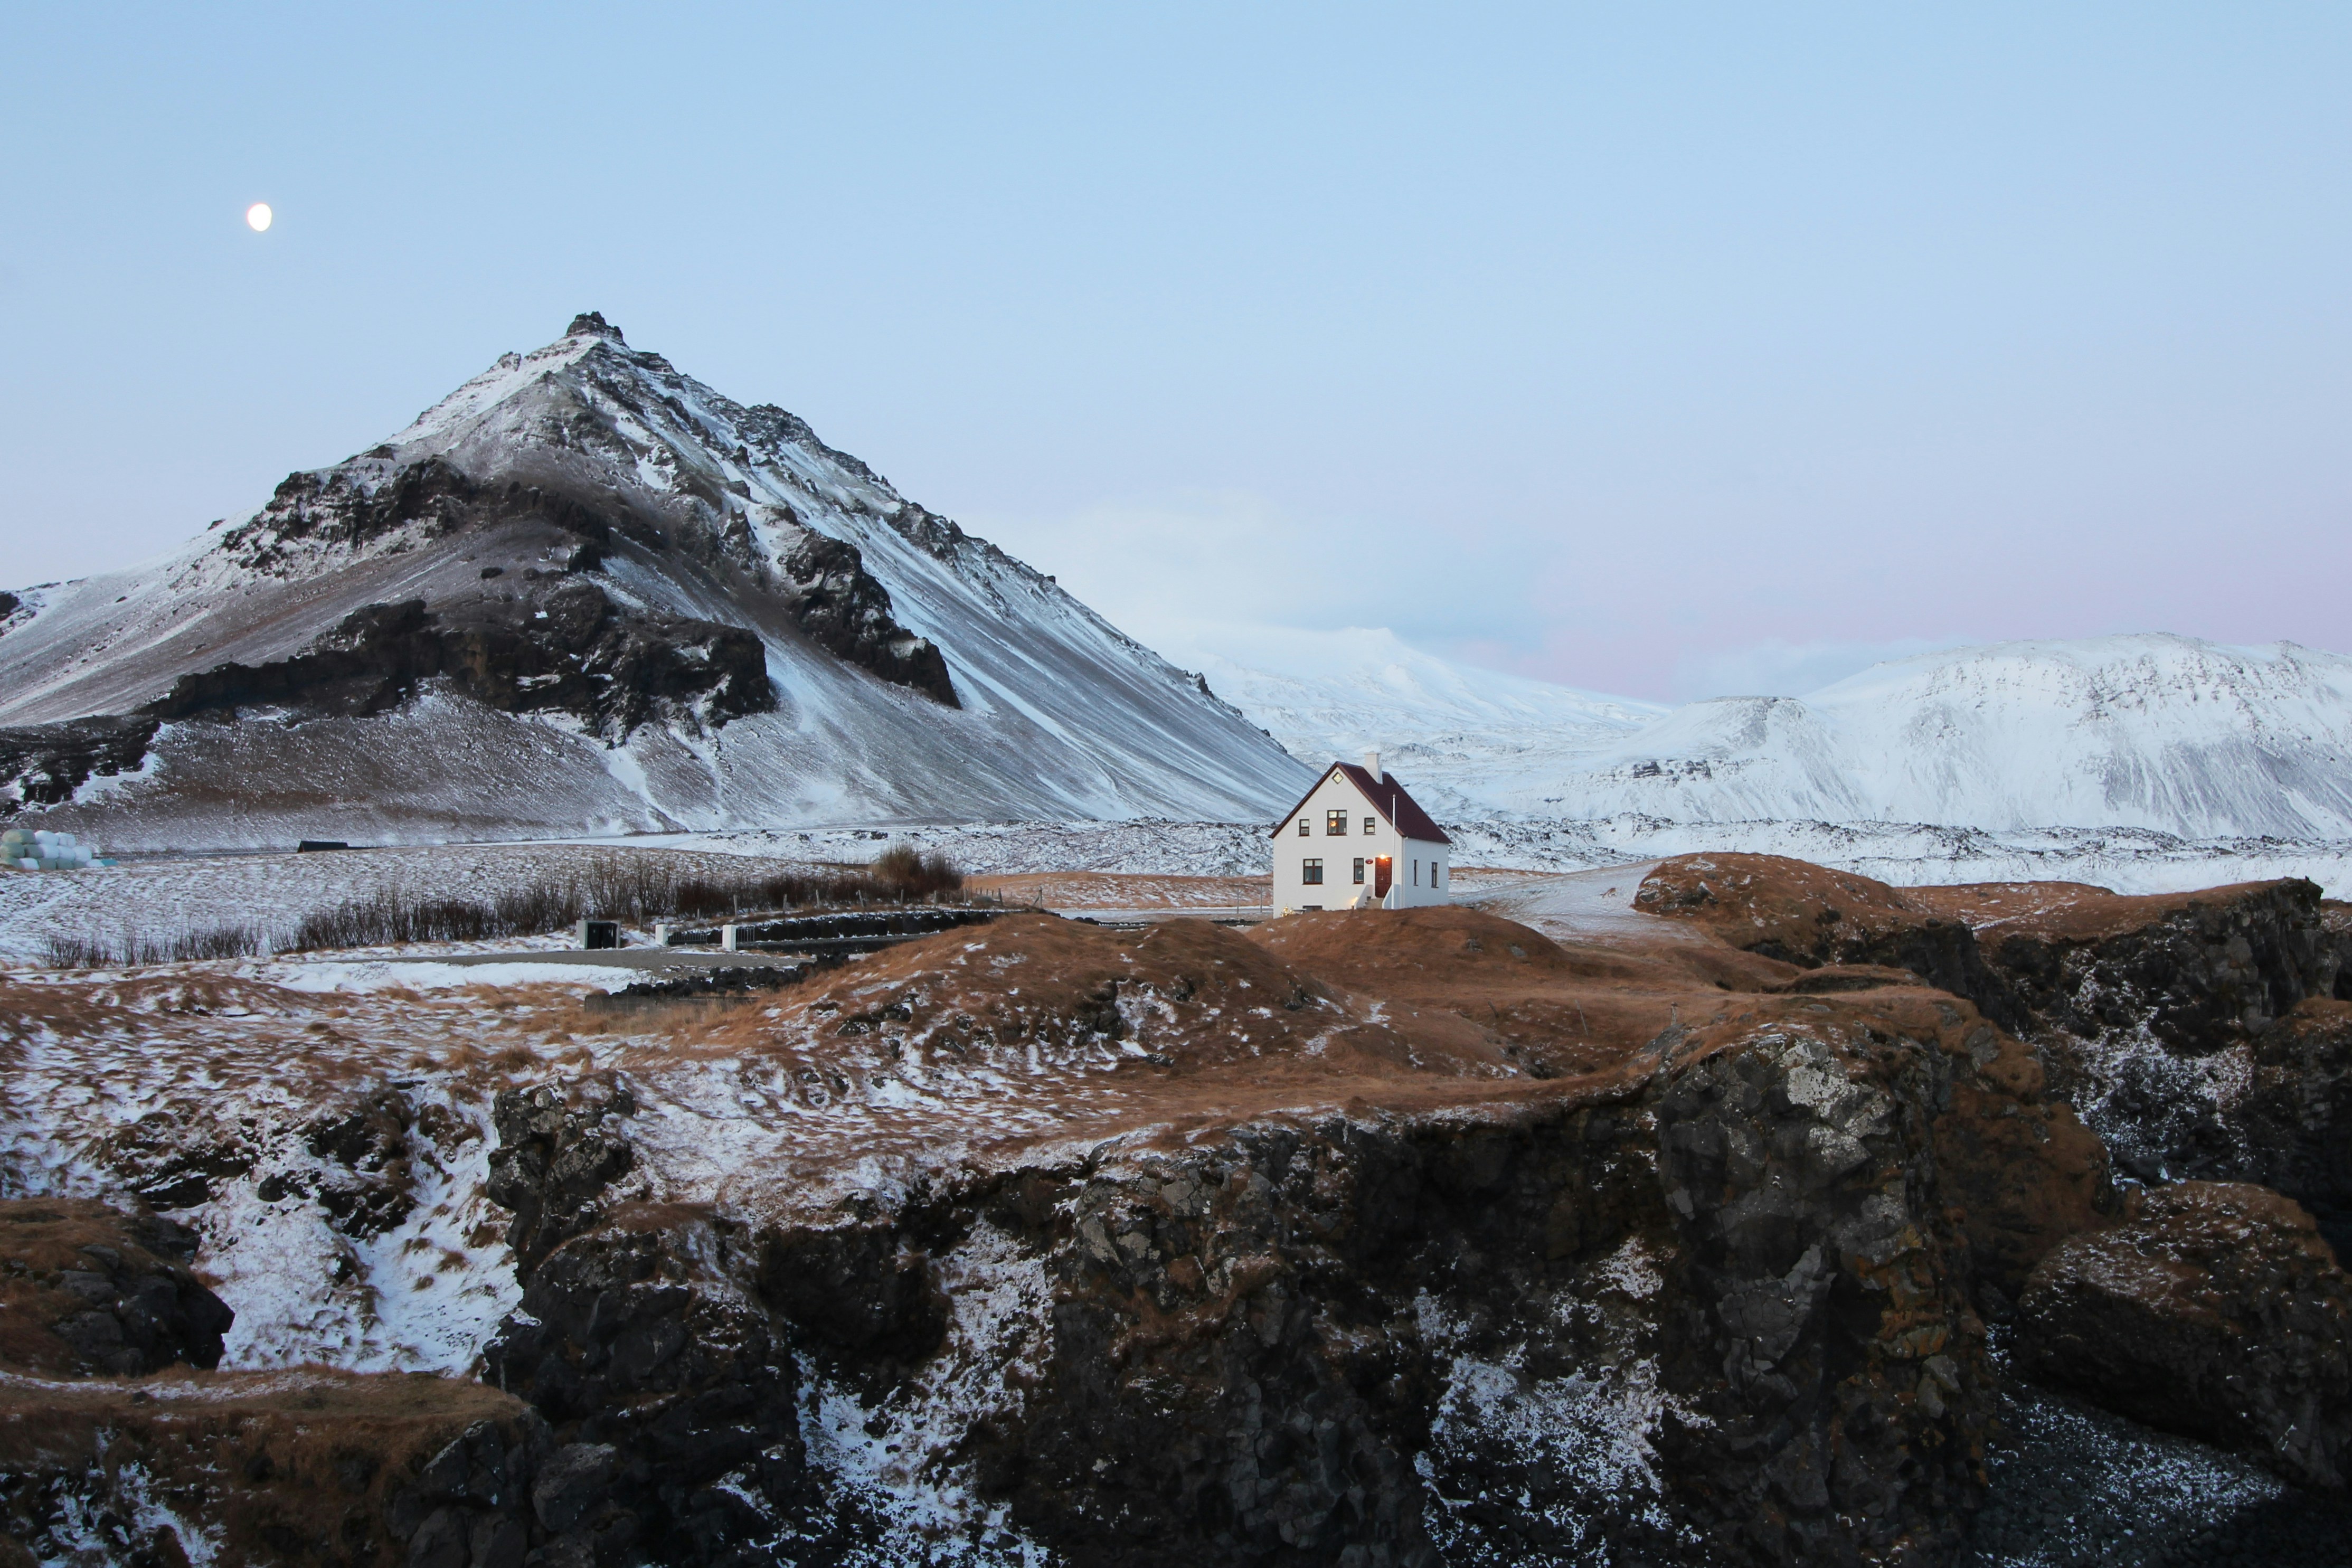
x,y
1655,349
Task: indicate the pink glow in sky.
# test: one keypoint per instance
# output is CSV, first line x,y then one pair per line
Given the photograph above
x,y
1646,351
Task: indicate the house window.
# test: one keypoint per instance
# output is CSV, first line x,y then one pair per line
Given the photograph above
x,y
1432,874
1302,828
1368,826
1310,872
1359,870
1335,823
1416,873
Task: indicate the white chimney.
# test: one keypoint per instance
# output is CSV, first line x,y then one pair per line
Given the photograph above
x,y
1372,764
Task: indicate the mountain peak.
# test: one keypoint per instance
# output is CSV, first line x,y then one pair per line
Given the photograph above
x,y
593,324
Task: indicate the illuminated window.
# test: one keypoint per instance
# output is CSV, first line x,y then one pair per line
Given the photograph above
x,y
1311,873
1335,823
1359,868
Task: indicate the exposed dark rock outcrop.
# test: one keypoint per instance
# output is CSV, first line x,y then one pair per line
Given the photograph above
x,y
1719,1311
290,1466
2197,971
559,1148
84,1288
2295,1115
846,611
365,1152
566,649
2218,1312
370,498
44,765
2154,1012
672,1400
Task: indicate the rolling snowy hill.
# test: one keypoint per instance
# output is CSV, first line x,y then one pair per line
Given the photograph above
x,y
2157,732
1468,738
585,593
2151,731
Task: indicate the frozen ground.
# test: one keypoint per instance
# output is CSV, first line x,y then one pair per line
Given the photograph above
x,y
269,894
164,895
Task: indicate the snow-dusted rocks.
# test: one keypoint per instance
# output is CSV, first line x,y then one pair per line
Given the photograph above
x,y
587,592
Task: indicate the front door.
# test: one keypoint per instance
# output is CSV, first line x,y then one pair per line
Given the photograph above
x,y
1382,870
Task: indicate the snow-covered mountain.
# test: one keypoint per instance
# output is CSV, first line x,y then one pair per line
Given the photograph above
x,y
1469,738
587,593
2153,731
2167,733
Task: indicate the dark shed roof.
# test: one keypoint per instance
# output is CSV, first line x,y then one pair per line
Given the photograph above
x,y
1388,798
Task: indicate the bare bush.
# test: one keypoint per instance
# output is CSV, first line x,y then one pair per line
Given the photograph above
x,y
140,947
637,889
917,873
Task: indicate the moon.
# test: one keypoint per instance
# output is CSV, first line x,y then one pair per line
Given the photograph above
x,y
256,217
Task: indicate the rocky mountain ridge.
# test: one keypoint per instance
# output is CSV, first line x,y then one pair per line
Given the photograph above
x,y
587,591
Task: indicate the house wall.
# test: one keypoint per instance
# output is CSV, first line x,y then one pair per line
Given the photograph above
x,y
1424,871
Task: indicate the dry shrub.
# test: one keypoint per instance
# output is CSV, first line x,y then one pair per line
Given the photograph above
x,y
635,891
916,873
638,890
140,947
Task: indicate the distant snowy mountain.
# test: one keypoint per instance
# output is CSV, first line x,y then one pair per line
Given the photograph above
x,y
2153,731
586,592
2159,733
1466,739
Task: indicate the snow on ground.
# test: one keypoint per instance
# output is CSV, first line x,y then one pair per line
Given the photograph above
x,y
269,894
164,896
422,975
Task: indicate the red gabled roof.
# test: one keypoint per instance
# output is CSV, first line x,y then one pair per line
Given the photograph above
x,y
1388,798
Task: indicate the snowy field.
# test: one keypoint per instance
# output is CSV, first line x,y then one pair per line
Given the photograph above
x,y
2129,860
161,897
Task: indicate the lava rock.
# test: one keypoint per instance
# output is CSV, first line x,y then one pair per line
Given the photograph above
x,y
670,1394
2217,1312
44,764
84,1288
2294,1119
2196,972
559,1148
845,610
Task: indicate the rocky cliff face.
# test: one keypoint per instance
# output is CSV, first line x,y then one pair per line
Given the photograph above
x,y
1718,1305
2216,1311
1407,1237
2154,1015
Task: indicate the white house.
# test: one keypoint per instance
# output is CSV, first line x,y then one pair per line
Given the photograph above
x,y
1358,841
